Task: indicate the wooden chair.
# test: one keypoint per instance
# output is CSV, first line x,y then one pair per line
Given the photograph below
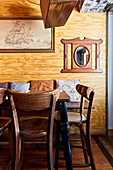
x,y
37,126
79,120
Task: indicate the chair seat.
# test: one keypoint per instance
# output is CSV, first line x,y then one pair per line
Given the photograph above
x,y
37,133
4,122
75,117
33,126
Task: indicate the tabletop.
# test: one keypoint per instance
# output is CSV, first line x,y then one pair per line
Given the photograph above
x,y
64,97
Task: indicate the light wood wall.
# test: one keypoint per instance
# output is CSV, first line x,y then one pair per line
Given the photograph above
x,y
22,67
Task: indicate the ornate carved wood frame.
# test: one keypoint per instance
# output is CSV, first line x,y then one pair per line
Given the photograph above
x,y
87,43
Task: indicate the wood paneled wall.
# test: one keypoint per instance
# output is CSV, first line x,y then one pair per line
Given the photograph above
x,y
22,67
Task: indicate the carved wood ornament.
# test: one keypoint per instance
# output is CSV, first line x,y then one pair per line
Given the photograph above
x,y
81,55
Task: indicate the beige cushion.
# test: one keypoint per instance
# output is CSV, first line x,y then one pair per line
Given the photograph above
x,y
69,86
15,86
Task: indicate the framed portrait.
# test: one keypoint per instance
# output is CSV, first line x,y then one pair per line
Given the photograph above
x,y
25,35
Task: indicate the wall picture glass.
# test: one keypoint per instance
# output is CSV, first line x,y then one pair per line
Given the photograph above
x,y
25,35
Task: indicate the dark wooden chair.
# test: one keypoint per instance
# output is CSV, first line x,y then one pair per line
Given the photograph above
x,y
37,126
80,119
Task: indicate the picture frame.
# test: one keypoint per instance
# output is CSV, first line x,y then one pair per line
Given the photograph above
x,y
26,35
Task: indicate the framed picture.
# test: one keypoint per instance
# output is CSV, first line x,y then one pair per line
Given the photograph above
x,y
25,35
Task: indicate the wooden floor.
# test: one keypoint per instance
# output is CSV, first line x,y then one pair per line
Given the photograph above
x,y
33,164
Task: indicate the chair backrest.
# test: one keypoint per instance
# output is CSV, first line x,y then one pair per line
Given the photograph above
x,y
33,101
86,93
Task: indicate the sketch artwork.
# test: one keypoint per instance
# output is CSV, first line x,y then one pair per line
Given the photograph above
x,y
24,34
18,35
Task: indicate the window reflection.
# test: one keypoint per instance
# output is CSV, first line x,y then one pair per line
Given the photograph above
x,y
82,56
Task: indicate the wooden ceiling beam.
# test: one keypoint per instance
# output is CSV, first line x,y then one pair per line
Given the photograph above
x,y
56,12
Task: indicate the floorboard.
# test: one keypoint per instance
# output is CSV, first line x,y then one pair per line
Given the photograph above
x,y
33,164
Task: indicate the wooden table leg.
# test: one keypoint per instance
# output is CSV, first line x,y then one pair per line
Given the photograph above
x,y
62,107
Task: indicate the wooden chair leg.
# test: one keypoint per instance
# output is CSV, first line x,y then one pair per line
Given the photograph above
x,y
83,140
90,153
18,152
11,140
50,152
50,157
57,145
22,152
89,147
